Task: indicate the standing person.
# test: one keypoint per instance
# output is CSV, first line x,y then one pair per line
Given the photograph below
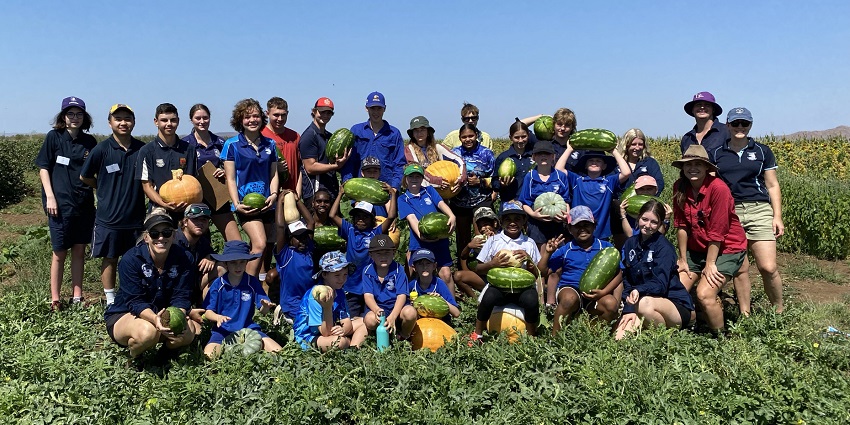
x,y
544,179
67,201
424,150
749,169
250,164
376,137
712,243
111,169
520,152
286,140
163,155
469,114
208,147
319,172
635,150
477,192
708,130
564,121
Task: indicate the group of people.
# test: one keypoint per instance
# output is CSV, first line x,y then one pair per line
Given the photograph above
x,y
726,200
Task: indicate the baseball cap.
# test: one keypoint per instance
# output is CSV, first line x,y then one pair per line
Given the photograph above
x,y
364,207
375,99
413,168
73,101
484,212
380,242
370,161
155,219
543,146
297,228
118,106
645,180
739,113
235,251
422,254
324,104
197,210
331,262
512,207
581,213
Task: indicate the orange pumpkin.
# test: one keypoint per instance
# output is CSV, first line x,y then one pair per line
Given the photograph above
x,y
448,171
181,188
395,235
507,320
431,333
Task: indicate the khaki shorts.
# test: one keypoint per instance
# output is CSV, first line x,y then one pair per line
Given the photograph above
x,y
728,264
756,219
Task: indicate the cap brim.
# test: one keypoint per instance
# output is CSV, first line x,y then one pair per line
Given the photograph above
x,y
509,212
157,220
234,257
324,108
371,104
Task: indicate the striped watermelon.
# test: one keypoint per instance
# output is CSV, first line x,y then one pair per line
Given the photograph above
x,y
366,189
434,225
511,279
544,128
507,168
594,139
431,306
341,140
602,268
628,193
636,203
327,239
254,200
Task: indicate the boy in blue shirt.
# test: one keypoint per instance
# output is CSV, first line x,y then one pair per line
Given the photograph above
x,y
232,298
294,257
324,323
573,258
425,282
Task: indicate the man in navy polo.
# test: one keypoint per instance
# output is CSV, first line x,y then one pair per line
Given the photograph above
x,y
111,168
164,154
320,172
376,137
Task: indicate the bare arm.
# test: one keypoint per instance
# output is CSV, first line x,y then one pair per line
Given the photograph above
x,y
625,170
52,205
772,183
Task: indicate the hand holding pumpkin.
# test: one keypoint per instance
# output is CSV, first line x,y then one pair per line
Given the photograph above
x,y
538,215
501,259
176,206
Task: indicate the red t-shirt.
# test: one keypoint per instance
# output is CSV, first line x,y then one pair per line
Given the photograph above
x,y
287,145
709,216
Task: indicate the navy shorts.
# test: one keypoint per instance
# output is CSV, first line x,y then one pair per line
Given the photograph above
x,y
112,243
684,313
65,232
218,337
541,231
111,320
266,217
356,305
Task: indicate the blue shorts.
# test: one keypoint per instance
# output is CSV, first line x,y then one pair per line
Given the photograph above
x,y
356,305
112,243
218,337
65,232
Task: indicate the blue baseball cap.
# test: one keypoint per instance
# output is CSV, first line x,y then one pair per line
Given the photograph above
x,y
73,101
375,99
512,207
739,113
423,254
581,213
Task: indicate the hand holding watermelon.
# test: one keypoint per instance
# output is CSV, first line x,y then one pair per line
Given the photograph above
x,y
340,162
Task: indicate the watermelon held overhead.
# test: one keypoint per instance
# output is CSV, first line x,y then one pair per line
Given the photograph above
x,y
434,225
366,189
254,200
511,279
431,306
340,140
544,128
594,139
602,268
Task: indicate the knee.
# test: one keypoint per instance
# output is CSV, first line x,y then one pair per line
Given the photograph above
x,y
705,293
409,313
145,333
370,321
607,304
343,342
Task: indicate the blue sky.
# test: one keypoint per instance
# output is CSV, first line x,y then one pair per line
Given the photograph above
x,y
617,64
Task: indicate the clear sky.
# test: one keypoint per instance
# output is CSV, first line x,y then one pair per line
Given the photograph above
x,y
617,64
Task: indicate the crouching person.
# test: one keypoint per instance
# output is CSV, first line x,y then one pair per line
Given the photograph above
x,y
322,320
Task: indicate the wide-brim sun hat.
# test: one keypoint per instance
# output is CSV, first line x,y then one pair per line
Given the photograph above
x,y
703,96
610,162
419,122
695,153
235,251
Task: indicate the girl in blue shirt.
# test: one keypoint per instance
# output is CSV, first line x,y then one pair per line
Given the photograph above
x,y
477,192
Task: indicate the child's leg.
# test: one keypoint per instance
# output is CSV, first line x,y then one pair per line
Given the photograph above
x,y
489,299
569,302
552,286
212,350
371,321
625,328
467,281
271,345
529,301
57,270
659,311
408,321
446,275
360,332
326,343
605,308
78,262
257,238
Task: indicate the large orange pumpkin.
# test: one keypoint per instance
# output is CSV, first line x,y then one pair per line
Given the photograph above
x,y
181,188
450,173
431,333
507,319
395,235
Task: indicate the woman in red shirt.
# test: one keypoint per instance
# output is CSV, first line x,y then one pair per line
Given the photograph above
x,y
711,240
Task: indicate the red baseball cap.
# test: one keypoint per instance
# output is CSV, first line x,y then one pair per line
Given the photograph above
x,y
324,104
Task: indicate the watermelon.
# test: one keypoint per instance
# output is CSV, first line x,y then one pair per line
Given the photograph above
x,y
341,140
544,128
322,293
174,319
511,279
594,139
327,239
636,203
366,189
244,341
434,225
431,306
628,193
254,200
602,268
551,203
507,168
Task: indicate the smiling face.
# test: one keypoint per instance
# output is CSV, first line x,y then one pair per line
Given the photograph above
x,y
635,149
595,166
519,139
371,172
252,120
196,226
562,130
322,118
512,224
74,118
299,243
414,182
201,120
739,129
322,203
544,159
382,257
703,110
277,119
122,123
158,242
424,269
694,171
468,139
335,279
648,224
166,124
376,113
582,232
362,220
420,135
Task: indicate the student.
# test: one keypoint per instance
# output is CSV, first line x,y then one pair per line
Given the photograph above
x,y
233,297
424,264
520,152
111,169
319,171
385,292
573,259
164,154
67,201
644,185
544,179
708,131
564,122
286,140
370,168
652,293
485,225
477,192
413,205
325,324
469,114
376,137
194,236
250,164
294,257
423,149
511,238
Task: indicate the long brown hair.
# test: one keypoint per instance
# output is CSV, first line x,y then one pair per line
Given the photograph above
x,y
682,185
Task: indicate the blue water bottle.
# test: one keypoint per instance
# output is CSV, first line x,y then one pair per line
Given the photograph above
x,y
382,334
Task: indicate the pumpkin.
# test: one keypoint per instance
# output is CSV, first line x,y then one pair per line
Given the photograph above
x,y
448,171
290,210
395,234
322,293
508,320
181,188
431,333
244,341
550,204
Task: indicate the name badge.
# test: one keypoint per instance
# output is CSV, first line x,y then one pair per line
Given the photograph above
x,y
111,168
64,160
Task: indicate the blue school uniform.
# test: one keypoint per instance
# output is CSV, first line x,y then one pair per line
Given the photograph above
x,y
424,202
120,200
237,302
308,318
253,167
645,167
533,186
650,267
386,292
357,253
157,160
209,153
596,194
437,285
387,145
573,260
296,276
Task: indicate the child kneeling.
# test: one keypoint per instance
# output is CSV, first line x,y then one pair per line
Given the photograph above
x,y
322,321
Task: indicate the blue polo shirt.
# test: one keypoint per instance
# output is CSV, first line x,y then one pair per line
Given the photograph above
x,y
296,276
386,292
437,285
308,318
650,267
743,171
534,186
143,287
208,153
418,205
237,302
596,194
120,199
157,160
479,162
572,160
63,158
357,253
253,166
717,134
312,145
573,260
645,167
524,164
387,145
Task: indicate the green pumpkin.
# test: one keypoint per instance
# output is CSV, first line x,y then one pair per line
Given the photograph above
x,y
244,341
550,204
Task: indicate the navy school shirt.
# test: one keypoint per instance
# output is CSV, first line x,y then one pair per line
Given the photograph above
x,y
647,166
203,248
573,260
596,194
157,160
572,160
312,145
208,153
534,186
386,292
120,199
744,171
717,134
437,286
650,267
296,271
357,253
63,158
253,166
237,302
524,164
141,286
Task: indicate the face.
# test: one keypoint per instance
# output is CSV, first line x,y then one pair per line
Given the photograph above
x,y
414,180
74,118
470,118
703,110
167,124
595,165
694,170
468,138
382,257
362,220
487,227
196,226
236,267
322,117
322,202
252,120
583,231
635,148
543,158
122,123
512,224
376,113
420,134
519,140
648,223
371,172
335,279
562,130
424,268
739,129
646,190
277,119
157,240
201,120
299,243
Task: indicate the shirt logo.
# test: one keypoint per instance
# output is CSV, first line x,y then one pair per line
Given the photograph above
x,y
246,296
574,155
601,188
268,151
147,270
556,187
649,257
643,169
751,156
631,255
173,272
428,201
160,163
390,282
366,242
217,152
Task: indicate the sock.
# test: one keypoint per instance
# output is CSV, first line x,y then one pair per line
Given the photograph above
x,y
76,300
110,296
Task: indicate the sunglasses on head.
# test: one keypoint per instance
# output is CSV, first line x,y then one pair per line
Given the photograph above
x,y
740,123
196,210
165,233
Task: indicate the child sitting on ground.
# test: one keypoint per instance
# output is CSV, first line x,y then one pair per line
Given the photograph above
x,y
324,323
425,282
485,224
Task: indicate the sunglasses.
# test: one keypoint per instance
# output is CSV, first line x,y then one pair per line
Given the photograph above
x,y
701,218
470,118
165,233
740,123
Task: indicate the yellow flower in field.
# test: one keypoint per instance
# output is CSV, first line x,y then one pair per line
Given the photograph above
x,y
150,402
702,412
816,345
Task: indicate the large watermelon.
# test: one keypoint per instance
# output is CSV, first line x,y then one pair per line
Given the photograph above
x,y
544,128
594,139
551,203
327,239
507,168
174,319
602,268
511,279
341,140
434,225
636,203
628,193
431,333
254,200
431,306
366,189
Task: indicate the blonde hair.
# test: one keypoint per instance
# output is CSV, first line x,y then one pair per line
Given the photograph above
x,y
628,138
566,116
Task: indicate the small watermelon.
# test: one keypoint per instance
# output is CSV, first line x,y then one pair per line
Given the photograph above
x,y
431,306
511,279
366,189
434,225
544,128
636,203
602,268
341,140
507,168
254,200
174,319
